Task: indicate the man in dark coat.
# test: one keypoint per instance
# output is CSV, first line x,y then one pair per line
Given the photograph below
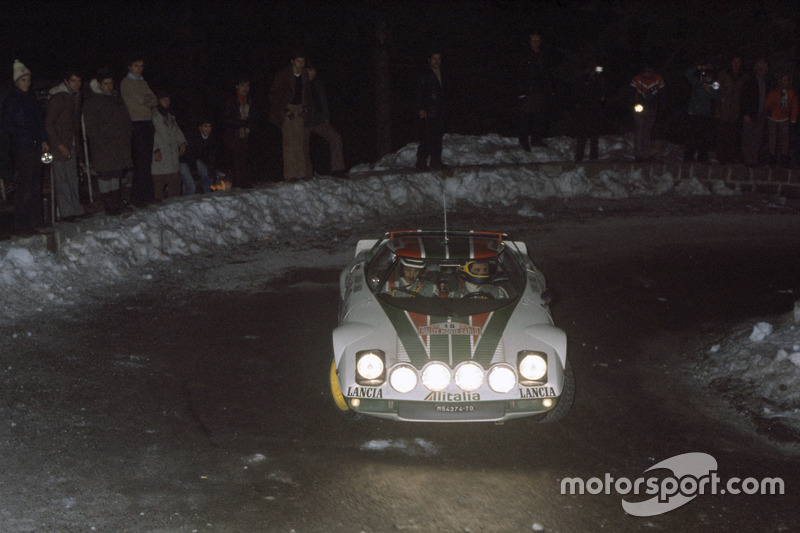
x,y
533,86
754,118
22,120
431,110
109,131
239,115
289,97
318,122
589,112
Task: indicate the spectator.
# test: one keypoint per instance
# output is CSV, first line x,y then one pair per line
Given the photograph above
x,y
781,109
240,122
318,122
533,86
199,159
22,119
169,144
754,118
108,130
589,112
290,95
731,82
431,110
648,95
701,111
140,101
63,125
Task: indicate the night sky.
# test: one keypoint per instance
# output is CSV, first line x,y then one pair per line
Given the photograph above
x,y
194,50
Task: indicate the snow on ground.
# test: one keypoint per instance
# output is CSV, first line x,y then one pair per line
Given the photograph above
x,y
758,366
110,250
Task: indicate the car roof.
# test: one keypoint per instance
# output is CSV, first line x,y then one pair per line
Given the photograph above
x,y
429,244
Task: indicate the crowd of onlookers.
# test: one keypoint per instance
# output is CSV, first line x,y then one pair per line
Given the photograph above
x,y
742,117
127,136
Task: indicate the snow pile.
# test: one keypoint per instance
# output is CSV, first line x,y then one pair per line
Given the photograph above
x,y
492,149
107,249
758,366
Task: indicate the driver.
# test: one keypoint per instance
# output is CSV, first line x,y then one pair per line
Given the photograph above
x,y
478,281
410,281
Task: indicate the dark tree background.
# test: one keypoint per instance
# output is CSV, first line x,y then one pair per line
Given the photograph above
x,y
363,49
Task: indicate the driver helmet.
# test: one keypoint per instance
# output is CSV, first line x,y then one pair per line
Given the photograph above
x,y
412,263
466,273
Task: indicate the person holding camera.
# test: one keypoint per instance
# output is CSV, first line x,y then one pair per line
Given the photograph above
x,y
705,91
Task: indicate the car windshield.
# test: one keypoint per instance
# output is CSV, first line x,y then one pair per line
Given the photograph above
x,y
446,286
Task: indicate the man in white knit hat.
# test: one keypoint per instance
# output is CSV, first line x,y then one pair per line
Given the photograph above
x,y
21,119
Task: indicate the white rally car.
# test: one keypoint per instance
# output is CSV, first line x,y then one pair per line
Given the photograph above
x,y
448,327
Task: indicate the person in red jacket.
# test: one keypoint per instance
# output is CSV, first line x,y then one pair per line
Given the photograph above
x,y
781,107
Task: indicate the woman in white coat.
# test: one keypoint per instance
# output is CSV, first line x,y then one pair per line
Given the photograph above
x,y
168,146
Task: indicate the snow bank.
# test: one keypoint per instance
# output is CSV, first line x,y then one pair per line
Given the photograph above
x,y
758,365
107,249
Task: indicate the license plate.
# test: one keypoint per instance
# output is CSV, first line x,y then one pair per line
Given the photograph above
x,y
460,408
451,411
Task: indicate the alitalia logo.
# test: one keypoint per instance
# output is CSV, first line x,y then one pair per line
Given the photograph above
x,y
449,328
450,397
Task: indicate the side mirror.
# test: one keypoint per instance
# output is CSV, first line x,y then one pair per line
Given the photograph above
x,y
549,297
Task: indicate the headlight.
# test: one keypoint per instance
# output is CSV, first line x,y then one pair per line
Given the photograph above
x,y
469,377
370,369
501,378
638,108
436,377
532,365
403,378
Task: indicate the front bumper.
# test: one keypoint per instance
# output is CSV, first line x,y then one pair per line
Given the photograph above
x,y
428,411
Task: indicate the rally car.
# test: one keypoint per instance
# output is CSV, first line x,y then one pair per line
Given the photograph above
x,y
443,326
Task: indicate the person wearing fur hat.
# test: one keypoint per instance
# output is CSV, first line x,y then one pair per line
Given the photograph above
x,y
21,119
63,125
108,130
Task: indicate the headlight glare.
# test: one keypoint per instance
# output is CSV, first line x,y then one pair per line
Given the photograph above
x,y
436,377
403,378
370,368
469,377
532,366
501,378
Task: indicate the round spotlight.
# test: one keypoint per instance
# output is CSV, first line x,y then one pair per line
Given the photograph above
x,y
436,377
469,377
403,378
533,367
502,378
369,366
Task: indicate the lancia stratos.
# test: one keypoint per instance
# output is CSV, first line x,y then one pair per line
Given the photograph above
x,y
441,326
